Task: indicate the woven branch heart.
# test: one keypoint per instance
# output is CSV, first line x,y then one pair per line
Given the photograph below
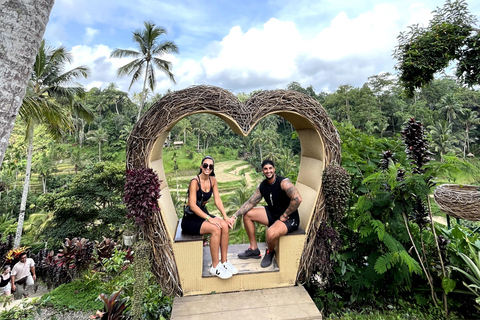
x,y
319,139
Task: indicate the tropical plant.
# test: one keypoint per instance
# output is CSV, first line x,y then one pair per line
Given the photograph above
x,y
98,136
472,272
44,166
50,100
75,256
142,191
443,139
470,119
145,60
97,209
114,307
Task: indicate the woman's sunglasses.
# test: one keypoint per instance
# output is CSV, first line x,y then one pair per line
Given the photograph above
x,y
205,166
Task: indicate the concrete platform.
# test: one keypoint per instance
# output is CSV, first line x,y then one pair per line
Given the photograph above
x,y
273,304
244,266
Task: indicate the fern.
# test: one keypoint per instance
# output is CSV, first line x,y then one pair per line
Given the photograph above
x,y
362,219
392,244
385,262
365,231
412,264
379,228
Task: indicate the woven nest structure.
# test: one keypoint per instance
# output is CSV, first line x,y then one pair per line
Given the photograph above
x,y
145,146
458,201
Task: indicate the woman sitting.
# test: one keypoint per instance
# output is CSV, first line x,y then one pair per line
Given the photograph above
x,y
202,222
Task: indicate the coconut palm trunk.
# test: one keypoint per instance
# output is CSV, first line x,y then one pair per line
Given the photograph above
x,y
26,184
23,25
144,93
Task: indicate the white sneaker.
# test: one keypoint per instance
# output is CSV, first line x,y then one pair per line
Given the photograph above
x,y
220,271
230,267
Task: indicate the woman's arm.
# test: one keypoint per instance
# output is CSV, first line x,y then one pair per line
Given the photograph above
x,y
217,199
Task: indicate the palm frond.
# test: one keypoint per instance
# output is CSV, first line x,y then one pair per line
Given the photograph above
x,y
124,53
165,66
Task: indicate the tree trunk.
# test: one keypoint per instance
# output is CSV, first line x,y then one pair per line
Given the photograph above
x,y
23,203
99,152
144,94
44,184
23,26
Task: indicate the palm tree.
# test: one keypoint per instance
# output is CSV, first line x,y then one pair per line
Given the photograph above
x,y
77,159
50,100
469,120
125,131
23,25
185,126
147,58
98,136
443,139
44,167
450,106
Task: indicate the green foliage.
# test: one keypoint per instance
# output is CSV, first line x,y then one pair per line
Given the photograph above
x,y
74,296
24,311
141,266
97,194
451,35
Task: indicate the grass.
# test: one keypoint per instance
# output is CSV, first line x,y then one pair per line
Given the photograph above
x,y
74,296
411,313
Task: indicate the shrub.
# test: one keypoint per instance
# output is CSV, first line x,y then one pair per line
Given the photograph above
x,y
142,191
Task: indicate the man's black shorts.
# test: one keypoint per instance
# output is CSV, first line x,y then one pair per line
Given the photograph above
x,y
291,223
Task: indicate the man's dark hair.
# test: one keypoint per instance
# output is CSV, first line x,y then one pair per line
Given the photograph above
x,y
22,254
267,161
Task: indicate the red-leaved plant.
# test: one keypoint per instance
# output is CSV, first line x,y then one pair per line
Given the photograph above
x,y
142,191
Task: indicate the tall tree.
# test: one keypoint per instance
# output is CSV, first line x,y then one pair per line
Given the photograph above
x,y
50,100
450,106
443,139
470,119
145,60
450,36
98,136
23,26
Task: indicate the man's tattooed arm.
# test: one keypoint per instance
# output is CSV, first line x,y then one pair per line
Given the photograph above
x,y
247,206
292,193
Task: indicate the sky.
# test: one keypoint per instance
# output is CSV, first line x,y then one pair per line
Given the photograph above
x,y
243,45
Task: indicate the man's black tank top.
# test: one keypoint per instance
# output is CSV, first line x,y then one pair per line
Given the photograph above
x,y
277,199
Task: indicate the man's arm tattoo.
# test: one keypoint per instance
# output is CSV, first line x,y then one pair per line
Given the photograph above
x,y
292,193
247,206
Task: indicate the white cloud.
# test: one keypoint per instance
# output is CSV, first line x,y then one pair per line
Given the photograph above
x,y
90,34
369,32
323,43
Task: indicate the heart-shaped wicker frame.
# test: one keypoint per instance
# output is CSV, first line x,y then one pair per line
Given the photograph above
x,y
320,144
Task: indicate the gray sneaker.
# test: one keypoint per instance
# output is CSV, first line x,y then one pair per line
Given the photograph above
x,y
267,259
249,253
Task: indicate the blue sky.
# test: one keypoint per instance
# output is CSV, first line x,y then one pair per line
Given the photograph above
x,y
243,45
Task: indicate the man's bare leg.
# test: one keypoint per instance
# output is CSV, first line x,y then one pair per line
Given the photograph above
x,y
274,232
257,214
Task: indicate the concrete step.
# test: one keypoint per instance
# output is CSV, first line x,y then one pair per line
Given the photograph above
x,y
290,303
